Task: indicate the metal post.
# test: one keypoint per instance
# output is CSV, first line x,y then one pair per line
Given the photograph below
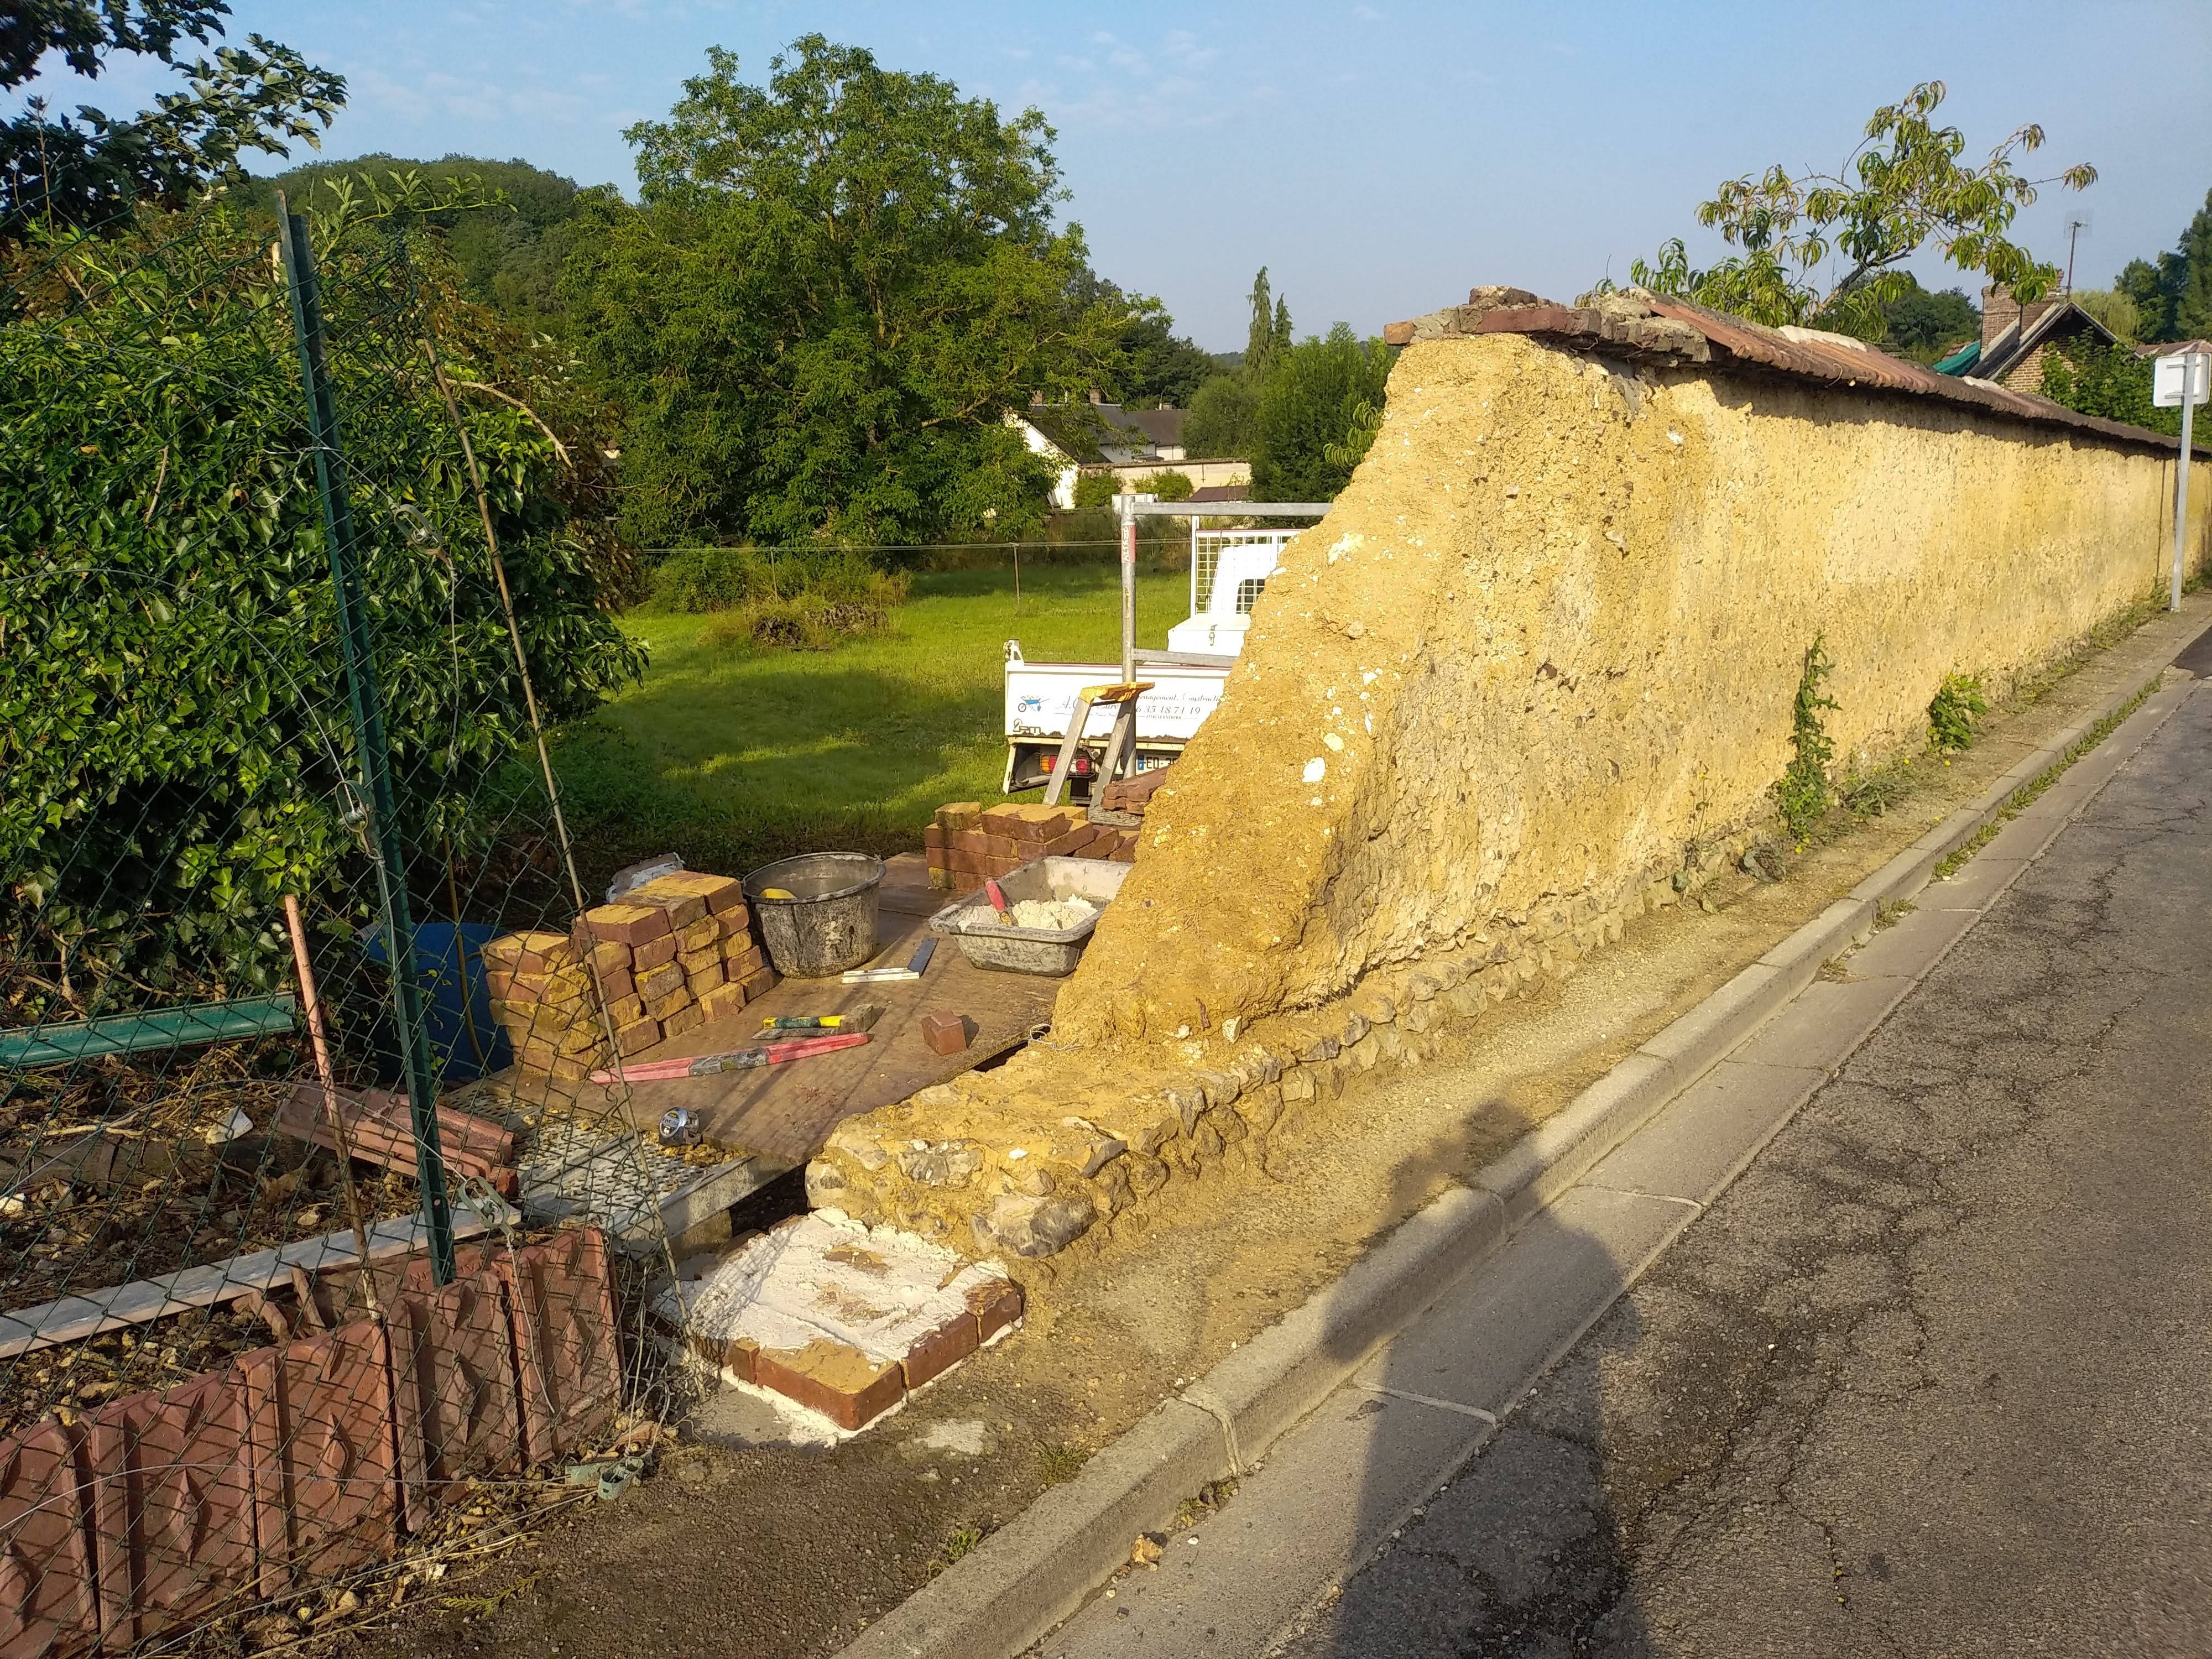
x,y
1128,596
2181,480
368,733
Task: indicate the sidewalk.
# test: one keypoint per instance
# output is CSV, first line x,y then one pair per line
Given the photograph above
x,y
1922,1380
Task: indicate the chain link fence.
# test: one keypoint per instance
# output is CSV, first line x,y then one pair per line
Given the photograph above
x,y
324,1225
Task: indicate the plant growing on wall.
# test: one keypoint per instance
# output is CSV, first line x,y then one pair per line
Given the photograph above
x,y
1901,188
1801,794
1957,704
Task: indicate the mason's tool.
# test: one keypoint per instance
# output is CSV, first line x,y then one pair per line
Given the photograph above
x,y
681,1128
997,895
917,965
862,1018
737,1060
776,893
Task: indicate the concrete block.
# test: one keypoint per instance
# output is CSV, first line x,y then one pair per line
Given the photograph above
x,y
1823,1022
1973,885
1723,1019
1909,946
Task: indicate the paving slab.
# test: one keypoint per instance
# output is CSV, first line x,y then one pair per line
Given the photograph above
x,y
1823,1023
1973,885
1908,946
1486,1336
1234,1584
1707,1131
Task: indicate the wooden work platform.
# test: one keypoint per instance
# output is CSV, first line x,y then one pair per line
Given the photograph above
x,y
784,1112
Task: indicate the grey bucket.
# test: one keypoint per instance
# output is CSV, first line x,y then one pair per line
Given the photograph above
x,y
829,924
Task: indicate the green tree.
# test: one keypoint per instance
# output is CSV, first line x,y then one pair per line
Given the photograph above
x,y
1221,415
1160,368
2173,294
91,169
1903,186
2113,308
2110,380
509,251
171,698
1320,395
1269,334
836,288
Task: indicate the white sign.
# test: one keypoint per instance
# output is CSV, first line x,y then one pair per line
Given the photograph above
x,y
2179,377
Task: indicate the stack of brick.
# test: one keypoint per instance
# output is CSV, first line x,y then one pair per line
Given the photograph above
x,y
541,995
967,845
673,954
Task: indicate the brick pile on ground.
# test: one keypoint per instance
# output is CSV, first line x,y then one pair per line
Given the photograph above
x,y
842,1319
968,845
667,956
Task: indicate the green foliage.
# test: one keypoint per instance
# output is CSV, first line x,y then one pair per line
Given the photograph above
x,y
1903,186
172,723
2114,309
1223,412
1952,711
1269,335
775,598
1318,394
1168,486
90,170
1160,368
1359,437
838,286
1801,795
1095,490
1923,326
2085,373
2172,295
509,251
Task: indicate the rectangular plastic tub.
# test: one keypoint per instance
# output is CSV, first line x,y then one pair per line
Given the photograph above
x,y
989,943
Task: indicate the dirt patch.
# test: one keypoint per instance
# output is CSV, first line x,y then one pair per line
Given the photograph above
x,y
779,1553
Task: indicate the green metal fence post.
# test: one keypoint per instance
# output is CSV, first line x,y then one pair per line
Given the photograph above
x,y
369,729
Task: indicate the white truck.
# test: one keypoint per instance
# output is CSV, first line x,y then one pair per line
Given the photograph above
x,y
1229,569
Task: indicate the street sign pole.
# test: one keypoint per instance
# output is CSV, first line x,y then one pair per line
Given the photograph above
x,y
2180,377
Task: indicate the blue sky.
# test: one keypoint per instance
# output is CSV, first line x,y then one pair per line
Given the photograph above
x,y
1379,158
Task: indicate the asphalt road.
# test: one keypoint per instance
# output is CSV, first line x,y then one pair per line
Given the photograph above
x,y
1933,1376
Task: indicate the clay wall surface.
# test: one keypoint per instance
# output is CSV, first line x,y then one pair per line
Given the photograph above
x,y
1537,663
1552,633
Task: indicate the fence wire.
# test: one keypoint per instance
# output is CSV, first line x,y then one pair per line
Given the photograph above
x,y
318,1212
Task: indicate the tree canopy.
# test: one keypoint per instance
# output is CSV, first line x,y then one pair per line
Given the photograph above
x,y
2173,294
1317,411
837,287
1903,187
92,169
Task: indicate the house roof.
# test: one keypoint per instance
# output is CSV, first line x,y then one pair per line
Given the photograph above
x,y
1662,329
2014,342
1085,432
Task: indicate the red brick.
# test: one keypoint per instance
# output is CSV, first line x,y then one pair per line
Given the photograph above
x,y
459,1405
48,1604
737,923
946,1034
706,959
699,935
833,1378
1001,820
674,896
759,982
722,1001
959,815
749,960
977,865
174,1512
1071,843
530,951
932,836
1133,794
1125,852
941,1350
563,1296
706,979
682,1020
996,1304
660,983
326,1472
736,1355
654,953
982,845
626,924
638,1035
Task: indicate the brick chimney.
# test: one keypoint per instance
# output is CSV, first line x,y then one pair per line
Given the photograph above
x,y
1999,312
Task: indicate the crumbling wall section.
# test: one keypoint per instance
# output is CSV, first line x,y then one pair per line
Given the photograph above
x,y
1539,656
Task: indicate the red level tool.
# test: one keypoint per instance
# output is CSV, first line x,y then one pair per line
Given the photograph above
x,y
737,1060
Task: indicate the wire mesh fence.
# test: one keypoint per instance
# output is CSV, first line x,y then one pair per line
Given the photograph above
x,y
321,1202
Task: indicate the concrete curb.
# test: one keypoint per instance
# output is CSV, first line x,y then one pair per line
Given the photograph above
x,y
1037,1571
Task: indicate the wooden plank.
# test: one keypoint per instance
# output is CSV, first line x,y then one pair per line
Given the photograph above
x,y
72,1318
785,1113
192,1023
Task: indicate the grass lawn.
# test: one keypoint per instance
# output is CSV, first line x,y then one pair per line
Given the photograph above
x,y
733,756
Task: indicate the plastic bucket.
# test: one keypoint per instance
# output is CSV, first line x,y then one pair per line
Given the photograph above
x,y
829,922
